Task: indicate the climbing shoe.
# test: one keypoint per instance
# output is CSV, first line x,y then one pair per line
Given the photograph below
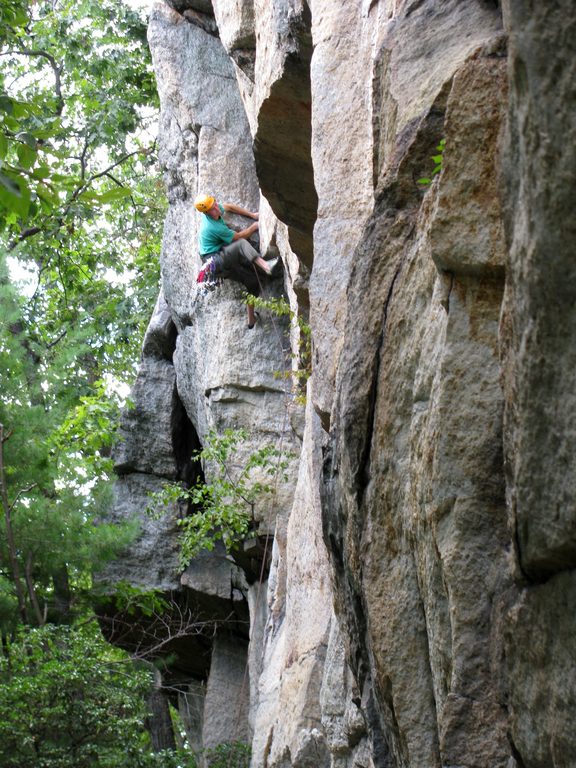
x,y
273,265
256,319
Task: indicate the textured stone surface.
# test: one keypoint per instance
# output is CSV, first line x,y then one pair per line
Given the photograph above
x,y
227,694
152,560
236,24
287,719
149,431
409,51
160,337
469,193
230,377
219,360
541,308
538,373
155,436
343,718
204,143
342,157
218,590
541,653
414,503
283,133
227,376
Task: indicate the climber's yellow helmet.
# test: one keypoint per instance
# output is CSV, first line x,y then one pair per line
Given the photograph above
x,y
203,203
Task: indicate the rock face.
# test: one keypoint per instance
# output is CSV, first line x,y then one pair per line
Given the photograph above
x,y
409,601
538,318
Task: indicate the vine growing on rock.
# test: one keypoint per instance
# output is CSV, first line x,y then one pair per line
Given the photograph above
x,y
302,368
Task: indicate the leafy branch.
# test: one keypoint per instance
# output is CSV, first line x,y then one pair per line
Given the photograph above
x,y
223,508
83,189
57,69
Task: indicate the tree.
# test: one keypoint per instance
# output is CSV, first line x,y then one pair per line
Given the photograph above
x,y
76,96
67,699
79,211
73,84
80,219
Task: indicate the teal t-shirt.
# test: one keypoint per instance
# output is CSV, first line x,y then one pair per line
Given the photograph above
x,y
213,234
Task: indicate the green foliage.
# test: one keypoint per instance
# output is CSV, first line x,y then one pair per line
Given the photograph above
x,y
80,217
133,601
90,426
437,159
233,754
81,208
223,507
67,699
56,466
68,89
277,306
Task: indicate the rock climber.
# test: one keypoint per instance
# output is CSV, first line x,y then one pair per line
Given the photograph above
x,y
227,253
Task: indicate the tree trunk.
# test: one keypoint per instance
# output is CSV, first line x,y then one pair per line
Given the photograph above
x,y
14,565
40,616
61,612
159,722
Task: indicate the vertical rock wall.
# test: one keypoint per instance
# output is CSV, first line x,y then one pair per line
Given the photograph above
x,y
418,611
538,366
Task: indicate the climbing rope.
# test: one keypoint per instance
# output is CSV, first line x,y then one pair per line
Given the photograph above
x,y
261,575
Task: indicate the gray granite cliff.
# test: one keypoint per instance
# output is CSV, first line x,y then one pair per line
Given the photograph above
x,y
409,599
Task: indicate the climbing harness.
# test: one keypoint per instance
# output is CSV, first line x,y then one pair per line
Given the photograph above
x,y
261,582
207,279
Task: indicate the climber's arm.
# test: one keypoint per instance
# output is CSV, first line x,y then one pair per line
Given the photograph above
x,y
231,208
245,233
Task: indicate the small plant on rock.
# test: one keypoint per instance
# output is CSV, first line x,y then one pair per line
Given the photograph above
x,y
438,159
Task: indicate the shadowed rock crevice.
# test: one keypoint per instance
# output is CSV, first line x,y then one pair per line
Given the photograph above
x,y
349,600
364,474
201,6
160,337
282,145
185,442
245,59
156,436
197,12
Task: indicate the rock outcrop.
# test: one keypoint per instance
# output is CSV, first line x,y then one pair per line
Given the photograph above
x,y
408,599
